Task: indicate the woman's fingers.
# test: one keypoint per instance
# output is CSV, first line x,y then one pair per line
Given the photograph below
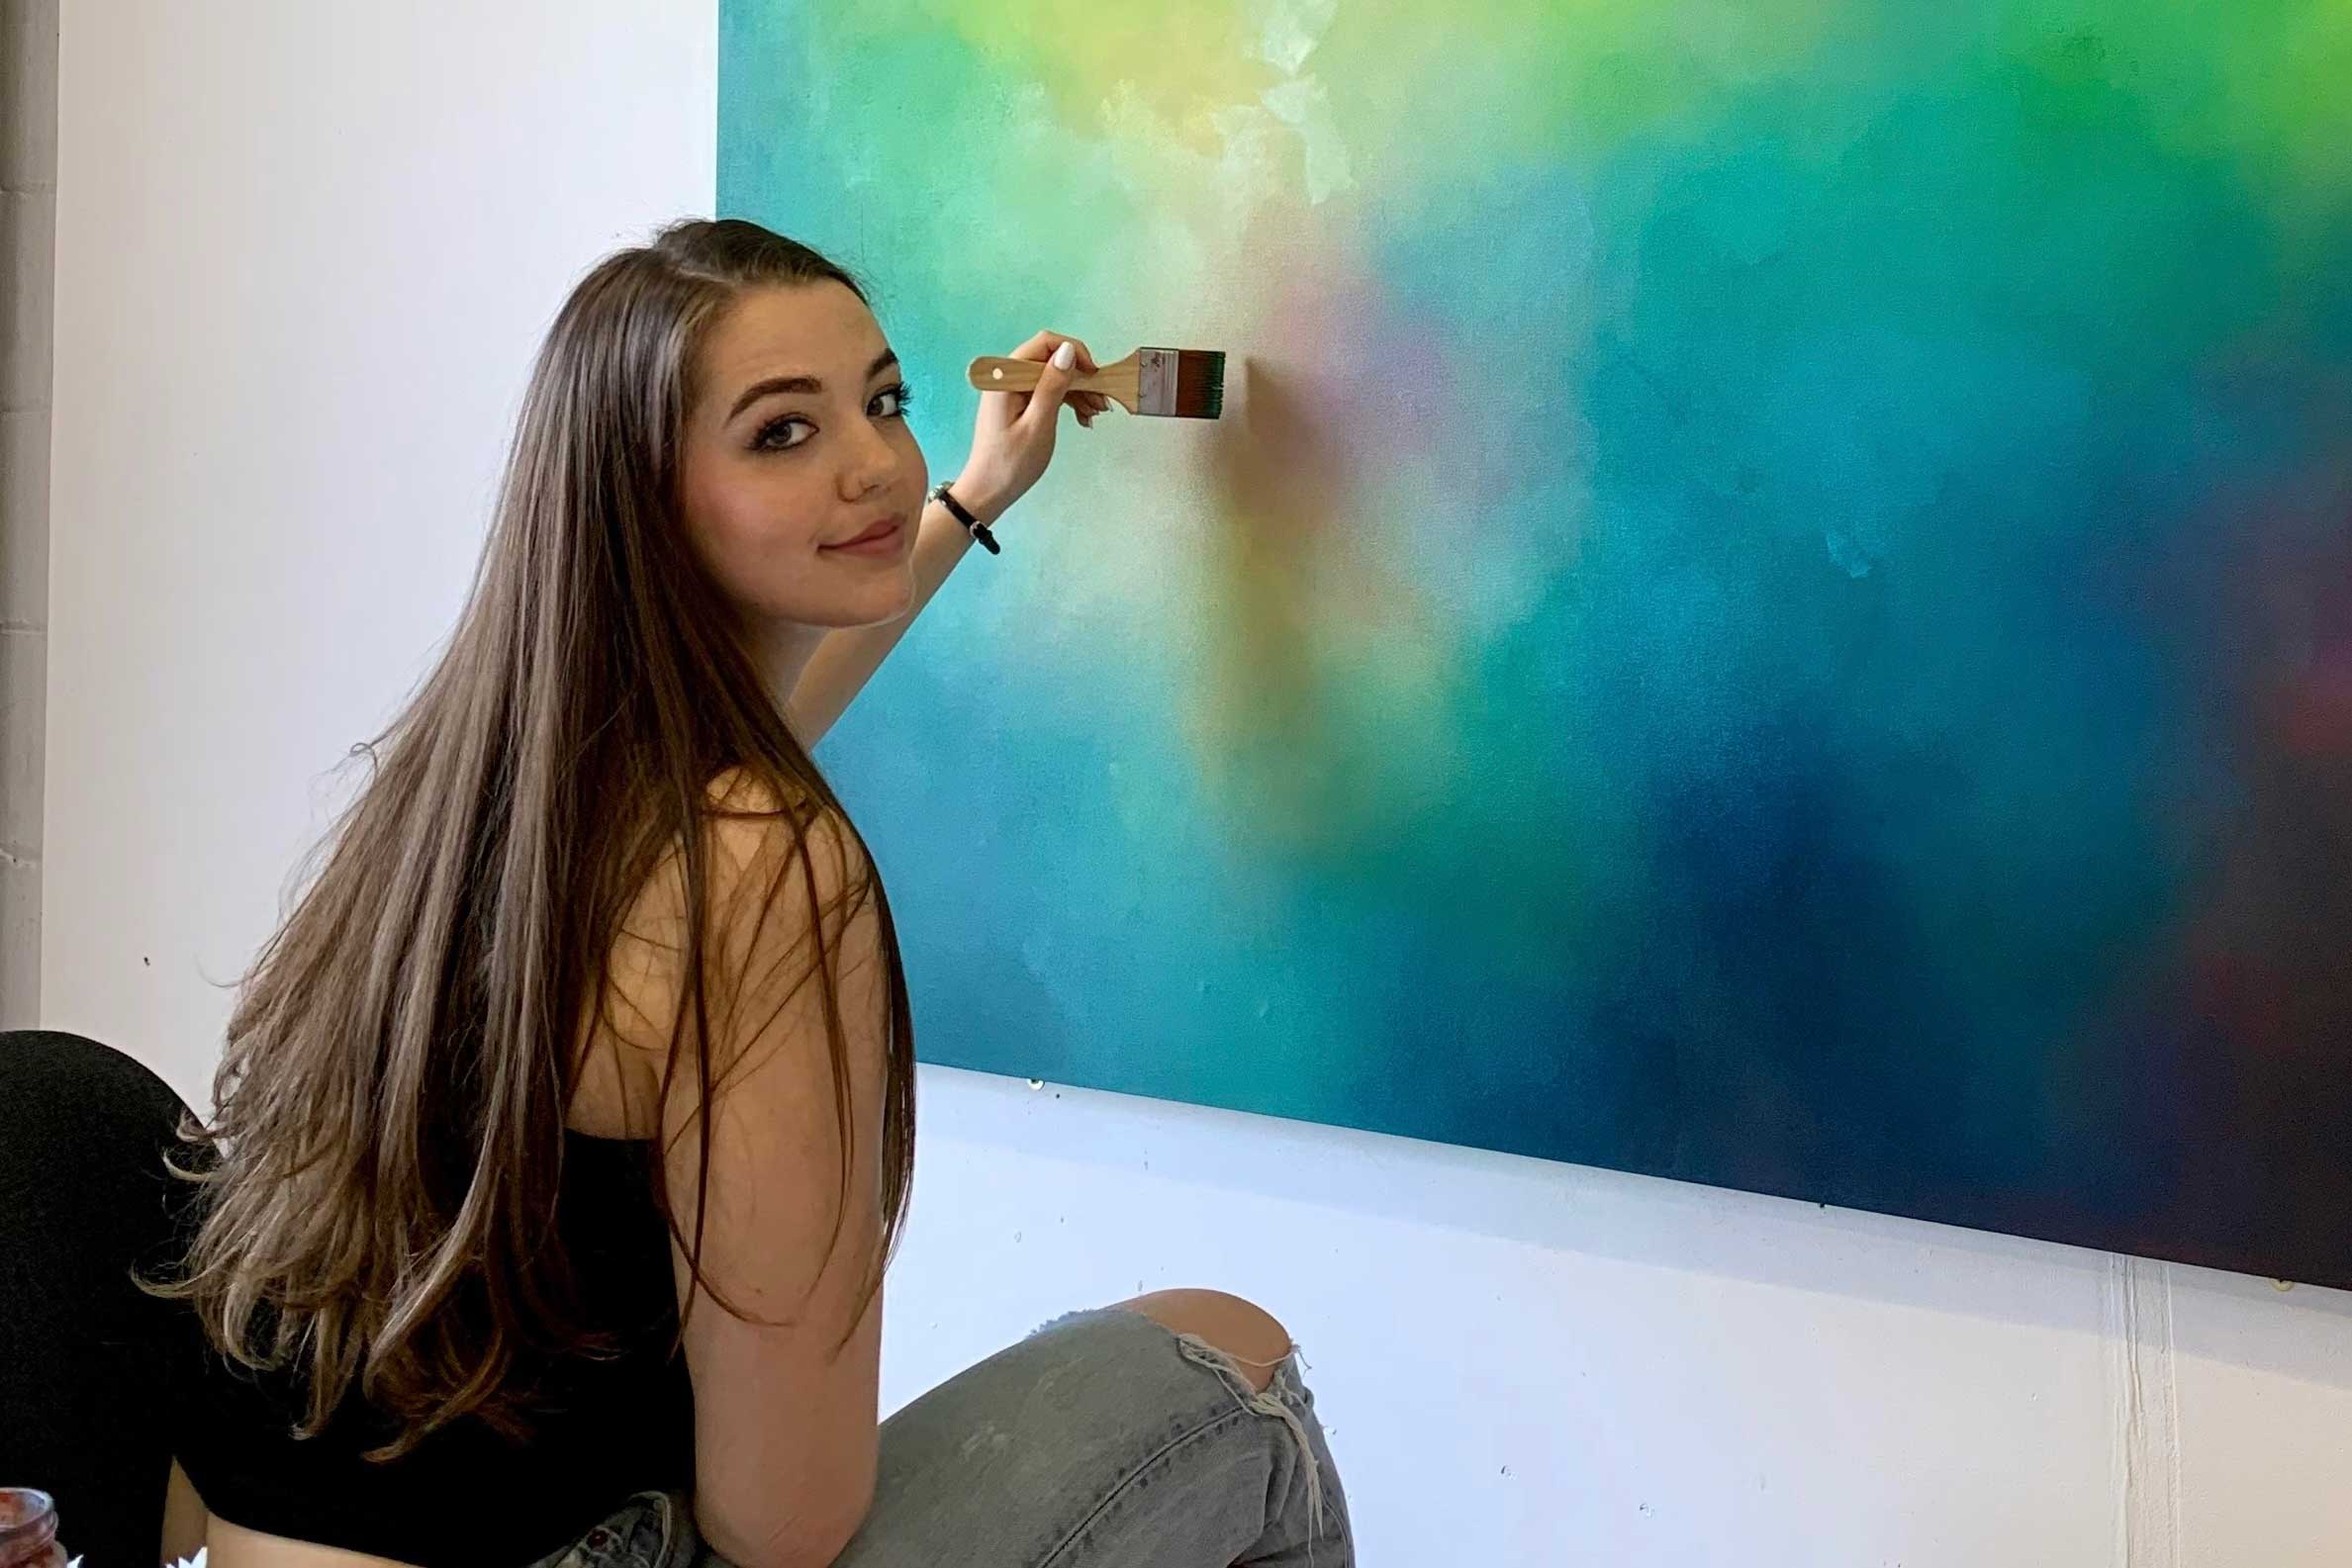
x,y
1087,405
1044,406
1042,346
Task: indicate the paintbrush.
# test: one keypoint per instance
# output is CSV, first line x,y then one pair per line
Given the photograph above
x,y
1187,383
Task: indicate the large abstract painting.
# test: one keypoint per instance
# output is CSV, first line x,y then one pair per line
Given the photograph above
x,y
1772,602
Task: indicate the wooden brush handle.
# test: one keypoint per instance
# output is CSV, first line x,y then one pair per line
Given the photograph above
x,y
1121,382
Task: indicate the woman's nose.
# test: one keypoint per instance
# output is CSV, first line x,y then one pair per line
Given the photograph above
x,y
868,467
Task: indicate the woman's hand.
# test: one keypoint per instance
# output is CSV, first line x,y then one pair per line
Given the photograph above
x,y
1012,440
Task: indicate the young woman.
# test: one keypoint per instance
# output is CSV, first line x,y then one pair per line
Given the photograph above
x,y
565,1127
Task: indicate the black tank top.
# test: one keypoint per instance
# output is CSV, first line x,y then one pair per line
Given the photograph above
x,y
466,1497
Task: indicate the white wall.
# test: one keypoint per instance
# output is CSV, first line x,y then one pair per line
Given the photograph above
x,y
305,252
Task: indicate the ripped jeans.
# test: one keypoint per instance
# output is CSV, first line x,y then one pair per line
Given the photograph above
x,y
1101,1442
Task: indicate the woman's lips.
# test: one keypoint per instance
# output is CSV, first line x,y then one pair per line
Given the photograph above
x,y
881,539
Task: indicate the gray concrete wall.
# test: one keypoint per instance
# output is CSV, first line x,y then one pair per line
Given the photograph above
x,y
28,256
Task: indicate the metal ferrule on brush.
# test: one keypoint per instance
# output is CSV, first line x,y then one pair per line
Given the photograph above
x,y
1156,368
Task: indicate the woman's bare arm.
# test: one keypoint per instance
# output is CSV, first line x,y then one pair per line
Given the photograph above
x,y
787,1385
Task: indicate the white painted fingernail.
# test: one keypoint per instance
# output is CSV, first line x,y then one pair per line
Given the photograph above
x,y
1066,356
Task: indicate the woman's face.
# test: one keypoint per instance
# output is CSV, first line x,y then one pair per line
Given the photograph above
x,y
796,446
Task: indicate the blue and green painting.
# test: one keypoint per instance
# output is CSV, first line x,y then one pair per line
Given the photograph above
x,y
1772,604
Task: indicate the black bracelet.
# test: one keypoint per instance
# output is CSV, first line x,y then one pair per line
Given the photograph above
x,y
972,525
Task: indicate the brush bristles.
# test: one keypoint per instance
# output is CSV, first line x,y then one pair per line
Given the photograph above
x,y
1201,384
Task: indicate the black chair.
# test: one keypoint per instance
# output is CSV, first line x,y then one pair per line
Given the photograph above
x,y
84,1201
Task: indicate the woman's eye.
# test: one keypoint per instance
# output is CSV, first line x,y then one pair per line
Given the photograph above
x,y
776,435
892,403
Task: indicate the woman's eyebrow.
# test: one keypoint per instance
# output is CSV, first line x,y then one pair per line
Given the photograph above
x,y
800,384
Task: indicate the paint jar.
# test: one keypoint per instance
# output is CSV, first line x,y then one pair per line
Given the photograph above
x,y
29,1529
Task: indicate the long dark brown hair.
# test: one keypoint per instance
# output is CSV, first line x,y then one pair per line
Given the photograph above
x,y
379,1178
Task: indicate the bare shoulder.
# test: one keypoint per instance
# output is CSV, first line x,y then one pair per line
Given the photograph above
x,y
749,825
758,832
740,790
778,872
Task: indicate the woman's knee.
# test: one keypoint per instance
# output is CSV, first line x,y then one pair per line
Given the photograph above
x,y
1250,1335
